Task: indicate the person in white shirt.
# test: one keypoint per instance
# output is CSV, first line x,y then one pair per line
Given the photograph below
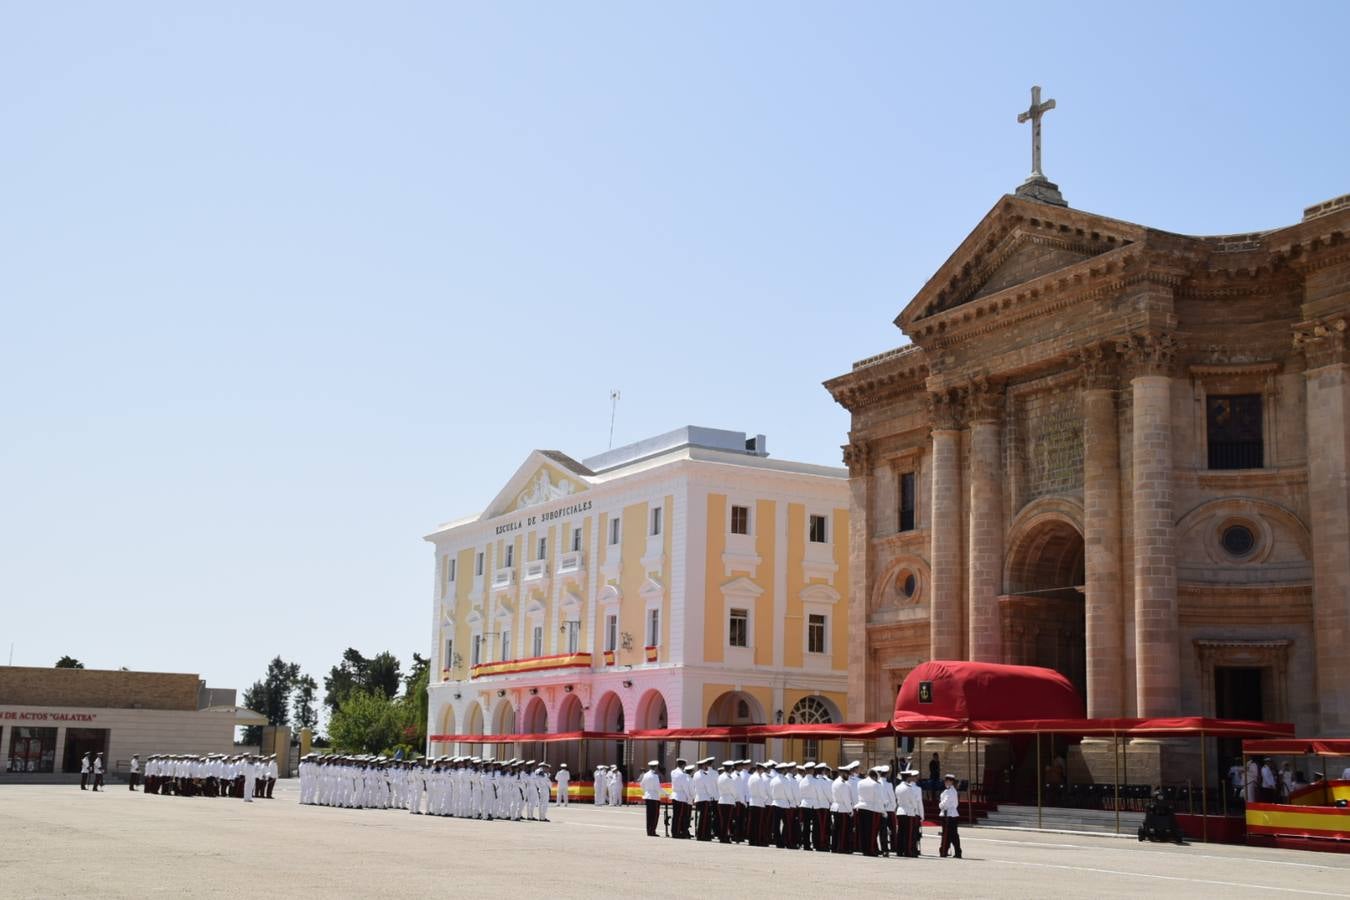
x,y
1268,790
601,781
778,804
651,795
949,812
1253,780
744,768
758,786
562,779
909,806
705,799
867,811
250,771
888,824
98,770
86,766
618,787
134,772
841,812
681,799
726,802
820,808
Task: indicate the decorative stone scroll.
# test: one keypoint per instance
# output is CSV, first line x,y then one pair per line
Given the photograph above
x,y
984,401
1321,342
1149,353
858,458
944,410
1099,367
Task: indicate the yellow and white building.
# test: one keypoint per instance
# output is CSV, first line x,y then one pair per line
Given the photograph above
x,y
681,581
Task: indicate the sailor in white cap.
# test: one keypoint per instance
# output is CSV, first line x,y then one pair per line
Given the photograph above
x,y
889,826
909,806
726,802
744,768
98,770
600,781
758,785
949,814
841,810
681,799
779,803
820,811
561,780
705,799
651,795
86,765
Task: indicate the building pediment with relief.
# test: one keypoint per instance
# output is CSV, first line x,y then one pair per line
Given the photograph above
x,y
541,480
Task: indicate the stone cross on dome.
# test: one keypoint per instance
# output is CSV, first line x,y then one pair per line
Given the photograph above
x,y
1037,186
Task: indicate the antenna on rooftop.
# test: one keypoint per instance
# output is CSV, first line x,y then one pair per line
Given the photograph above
x,y
613,411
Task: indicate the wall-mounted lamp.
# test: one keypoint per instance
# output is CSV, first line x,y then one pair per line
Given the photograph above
x,y
568,688
456,695
534,692
627,683
502,693
778,716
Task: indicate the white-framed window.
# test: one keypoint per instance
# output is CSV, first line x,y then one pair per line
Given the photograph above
x,y
656,520
541,548
476,650
611,632
573,636
510,557
819,530
740,519
738,628
537,643
811,748
653,627
449,660
506,645
450,570
815,633
576,539
614,530
478,564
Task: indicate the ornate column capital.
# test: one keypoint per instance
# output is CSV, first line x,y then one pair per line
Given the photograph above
x,y
1148,353
944,410
858,458
984,401
1322,342
1098,366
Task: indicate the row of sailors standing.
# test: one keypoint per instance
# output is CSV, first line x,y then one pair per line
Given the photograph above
x,y
462,786
210,775
806,807
610,786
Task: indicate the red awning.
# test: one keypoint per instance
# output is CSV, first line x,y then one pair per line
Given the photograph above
x,y
1304,747
1185,725
714,733
528,738
855,730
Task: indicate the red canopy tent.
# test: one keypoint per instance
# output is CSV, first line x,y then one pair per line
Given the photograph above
x,y
960,690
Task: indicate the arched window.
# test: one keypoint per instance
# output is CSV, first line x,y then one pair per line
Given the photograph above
x,y
810,711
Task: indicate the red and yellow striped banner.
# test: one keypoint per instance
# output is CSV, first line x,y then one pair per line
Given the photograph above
x,y
533,664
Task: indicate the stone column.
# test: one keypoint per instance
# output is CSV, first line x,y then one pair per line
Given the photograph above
x,y
1328,416
945,609
1157,659
1101,533
984,408
858,458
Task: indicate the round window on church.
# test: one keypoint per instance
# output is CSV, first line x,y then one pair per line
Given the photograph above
x,y
909,585
1238,540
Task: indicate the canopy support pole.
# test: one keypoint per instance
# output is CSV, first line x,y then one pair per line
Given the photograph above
x,y
1040,821
1115,743
970,781
1204,787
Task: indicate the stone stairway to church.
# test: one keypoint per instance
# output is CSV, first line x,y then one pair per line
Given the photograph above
x,y
1096,821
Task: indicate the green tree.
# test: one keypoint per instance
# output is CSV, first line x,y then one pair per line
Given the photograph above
x,y
305,709
420,665
255,699
278,684
384,674
415,701
369,722
345,677
69,662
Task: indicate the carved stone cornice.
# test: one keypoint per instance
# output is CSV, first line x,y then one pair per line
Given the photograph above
x,y
1148,353
858,458
1099,367
1322,342
880,378
984,401
945,409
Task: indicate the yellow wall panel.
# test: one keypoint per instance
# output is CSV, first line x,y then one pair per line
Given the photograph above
x,y
766,534
713,638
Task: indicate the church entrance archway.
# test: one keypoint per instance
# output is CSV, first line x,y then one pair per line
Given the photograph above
x,y
736,708
1044,619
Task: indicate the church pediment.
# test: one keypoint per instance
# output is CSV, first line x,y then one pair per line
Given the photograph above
x,y
1017,242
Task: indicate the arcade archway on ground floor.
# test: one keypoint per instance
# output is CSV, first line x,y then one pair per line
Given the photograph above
x,y
609,716
473,724
736,708
534,720
652,714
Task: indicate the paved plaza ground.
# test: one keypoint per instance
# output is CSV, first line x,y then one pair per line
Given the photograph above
x,y
59,842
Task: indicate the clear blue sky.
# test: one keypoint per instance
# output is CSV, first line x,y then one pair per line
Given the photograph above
x,y
284,288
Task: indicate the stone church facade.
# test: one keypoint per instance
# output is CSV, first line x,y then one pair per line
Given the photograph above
x,y
1118,452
